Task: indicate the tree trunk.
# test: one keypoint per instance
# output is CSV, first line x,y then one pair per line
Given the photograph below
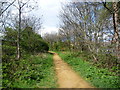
x,y
116,37
18,37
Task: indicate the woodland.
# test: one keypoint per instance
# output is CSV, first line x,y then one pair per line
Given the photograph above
x,y
88,40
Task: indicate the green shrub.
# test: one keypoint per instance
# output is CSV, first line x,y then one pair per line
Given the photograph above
x,y
8,52
32,42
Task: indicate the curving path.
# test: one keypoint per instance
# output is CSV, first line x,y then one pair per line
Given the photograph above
x,y
67,78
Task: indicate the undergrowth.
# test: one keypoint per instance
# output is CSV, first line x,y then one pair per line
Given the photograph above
x,y
98,77
30,72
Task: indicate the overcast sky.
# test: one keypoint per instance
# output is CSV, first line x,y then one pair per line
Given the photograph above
x,y
50,11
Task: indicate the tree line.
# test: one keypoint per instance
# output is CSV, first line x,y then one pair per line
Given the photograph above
x,y
92,28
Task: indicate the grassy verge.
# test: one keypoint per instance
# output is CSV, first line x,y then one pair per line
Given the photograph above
x,y
98,77
32,72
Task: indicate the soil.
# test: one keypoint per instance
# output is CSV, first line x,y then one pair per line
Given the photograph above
x,y
68,78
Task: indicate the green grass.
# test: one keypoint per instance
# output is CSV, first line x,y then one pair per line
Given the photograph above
x,y
98,77
32,72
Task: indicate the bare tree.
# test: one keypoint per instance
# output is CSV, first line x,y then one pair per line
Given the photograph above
x,y
116,24
21,6
32,21
90,26
51,39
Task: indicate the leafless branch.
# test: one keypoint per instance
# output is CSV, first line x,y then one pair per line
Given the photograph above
x,y
7,7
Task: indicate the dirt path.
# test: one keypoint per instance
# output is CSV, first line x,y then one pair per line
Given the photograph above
x,y
67,78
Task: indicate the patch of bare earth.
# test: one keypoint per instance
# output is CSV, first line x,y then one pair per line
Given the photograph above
x,y
67,78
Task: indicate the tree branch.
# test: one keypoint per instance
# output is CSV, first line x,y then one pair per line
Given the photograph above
x,y
104,4
7,7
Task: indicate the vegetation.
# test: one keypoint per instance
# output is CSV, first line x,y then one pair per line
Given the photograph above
x,y
88,34
24,61
30,72
91,28
30,42
98,77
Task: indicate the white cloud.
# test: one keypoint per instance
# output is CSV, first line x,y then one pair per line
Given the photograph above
x,y
48,30
50,11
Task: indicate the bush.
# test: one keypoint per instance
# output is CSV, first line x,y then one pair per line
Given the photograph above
x,y
32,42
8,52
